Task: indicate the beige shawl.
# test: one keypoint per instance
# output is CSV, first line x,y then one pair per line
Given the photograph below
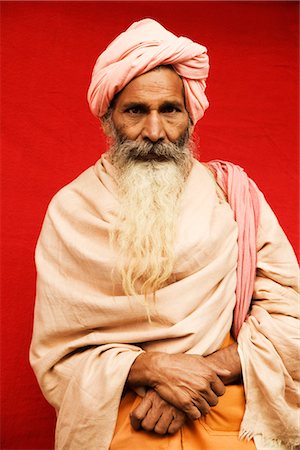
x,y
87,333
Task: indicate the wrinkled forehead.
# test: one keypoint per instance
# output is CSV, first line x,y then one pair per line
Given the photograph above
x,y
159,68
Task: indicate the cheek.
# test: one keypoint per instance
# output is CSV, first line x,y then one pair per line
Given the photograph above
x,y
125,130
131,130
175,130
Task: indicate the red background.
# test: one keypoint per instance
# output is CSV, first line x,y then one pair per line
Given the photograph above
x,y
49,136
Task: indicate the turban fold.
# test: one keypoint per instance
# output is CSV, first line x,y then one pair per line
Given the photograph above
x,y
142,47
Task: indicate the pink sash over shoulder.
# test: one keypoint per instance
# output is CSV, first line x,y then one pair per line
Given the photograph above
x,y
242,195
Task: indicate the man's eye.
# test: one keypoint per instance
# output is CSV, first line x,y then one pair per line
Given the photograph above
x,y
170,109
134,110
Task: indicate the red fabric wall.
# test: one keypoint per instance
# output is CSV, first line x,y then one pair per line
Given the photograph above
x,y
49,136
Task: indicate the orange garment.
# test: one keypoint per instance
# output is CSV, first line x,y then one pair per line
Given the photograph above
x,y
219,430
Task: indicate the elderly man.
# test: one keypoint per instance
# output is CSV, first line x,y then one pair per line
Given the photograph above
x,y
164,282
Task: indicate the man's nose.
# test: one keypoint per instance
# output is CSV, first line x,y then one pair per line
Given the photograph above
x,y
153,127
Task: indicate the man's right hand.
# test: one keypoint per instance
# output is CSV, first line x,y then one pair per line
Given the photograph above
x,y
155,414
188,382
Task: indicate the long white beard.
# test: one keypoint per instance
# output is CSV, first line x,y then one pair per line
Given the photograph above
x,y
145,232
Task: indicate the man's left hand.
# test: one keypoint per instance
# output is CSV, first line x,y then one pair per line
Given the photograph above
x,y
155,414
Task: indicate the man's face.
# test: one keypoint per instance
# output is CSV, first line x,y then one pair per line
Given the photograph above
x,y
151,151
151,108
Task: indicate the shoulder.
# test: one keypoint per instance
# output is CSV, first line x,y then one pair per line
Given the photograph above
x,y
87,198
73,199
218,165
76,193
230,175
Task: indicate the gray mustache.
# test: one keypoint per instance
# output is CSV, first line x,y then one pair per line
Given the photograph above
x,y
149,149
125,150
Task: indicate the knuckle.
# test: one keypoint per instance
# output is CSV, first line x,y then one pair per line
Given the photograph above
x,y
160,429
137,415
151,394
186,405
195,413
146,425
176,424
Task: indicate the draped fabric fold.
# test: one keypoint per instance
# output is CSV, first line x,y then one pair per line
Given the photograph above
x,y
269,329
142,47
268,343
87,333
243,197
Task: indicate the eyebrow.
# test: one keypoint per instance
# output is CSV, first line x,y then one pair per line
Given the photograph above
x,y
145,106
172,104
130,105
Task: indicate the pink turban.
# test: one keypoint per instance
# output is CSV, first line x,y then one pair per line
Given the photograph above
x,y
145,45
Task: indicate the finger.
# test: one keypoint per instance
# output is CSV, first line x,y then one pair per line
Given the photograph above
x,y
218,387
222,372
210,397
181,400
139,413
176,424
164,422
151,419
202,406
187,406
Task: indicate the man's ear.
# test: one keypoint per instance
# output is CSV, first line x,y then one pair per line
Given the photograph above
x,y
106,127
107,124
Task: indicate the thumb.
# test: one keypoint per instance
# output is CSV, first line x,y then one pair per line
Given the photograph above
x,y
223,372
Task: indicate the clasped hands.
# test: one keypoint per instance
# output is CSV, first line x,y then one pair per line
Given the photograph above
x,y
179,386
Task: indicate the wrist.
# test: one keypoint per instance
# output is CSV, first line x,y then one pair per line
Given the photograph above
x,y
143,370
228,358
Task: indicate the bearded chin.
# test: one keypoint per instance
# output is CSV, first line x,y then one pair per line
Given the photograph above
x,y
151,179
